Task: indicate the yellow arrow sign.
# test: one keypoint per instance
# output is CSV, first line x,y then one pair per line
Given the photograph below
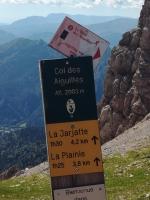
x,y
71,149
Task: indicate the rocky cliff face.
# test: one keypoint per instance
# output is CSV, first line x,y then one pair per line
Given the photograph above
x,y
126,98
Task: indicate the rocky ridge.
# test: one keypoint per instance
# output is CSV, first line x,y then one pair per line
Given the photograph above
x,y
126,99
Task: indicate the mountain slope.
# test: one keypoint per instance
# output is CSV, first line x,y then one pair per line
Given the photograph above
x,y
99,75
114,26
19,80
132,139
5,37
83,19
37,27
21,147
37,24
113,30
30,25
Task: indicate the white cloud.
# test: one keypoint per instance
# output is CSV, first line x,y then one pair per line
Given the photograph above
x,y
125,3
81,4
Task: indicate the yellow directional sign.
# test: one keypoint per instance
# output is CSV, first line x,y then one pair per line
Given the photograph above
x,y
74,148
72,130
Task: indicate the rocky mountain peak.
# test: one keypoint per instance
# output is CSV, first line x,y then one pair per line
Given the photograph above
x,y
144,19
126,99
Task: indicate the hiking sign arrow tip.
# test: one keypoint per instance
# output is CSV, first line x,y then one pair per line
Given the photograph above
x,y
94,139
97,161
97,54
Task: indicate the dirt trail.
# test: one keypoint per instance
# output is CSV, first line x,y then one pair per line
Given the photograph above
x,y
133,138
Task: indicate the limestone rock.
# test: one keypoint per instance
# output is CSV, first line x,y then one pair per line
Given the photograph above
x,y
124,84
122,62
9,173
117,119
127,102
136,60
108,84
106,133
126,98
126,39
139,108
136,34
145,39
117,103
105,115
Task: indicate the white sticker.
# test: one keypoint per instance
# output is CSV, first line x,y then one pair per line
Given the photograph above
x,y
92,192
72,39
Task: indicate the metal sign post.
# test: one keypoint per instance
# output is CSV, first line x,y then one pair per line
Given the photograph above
x,y
72,130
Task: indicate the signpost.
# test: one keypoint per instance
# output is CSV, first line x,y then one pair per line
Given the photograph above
x,y
73,39
72,129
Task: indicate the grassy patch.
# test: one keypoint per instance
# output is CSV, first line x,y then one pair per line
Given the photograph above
x,y
35,187
127,178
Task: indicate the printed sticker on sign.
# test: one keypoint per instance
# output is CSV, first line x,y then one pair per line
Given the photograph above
x,y
72,39
96,192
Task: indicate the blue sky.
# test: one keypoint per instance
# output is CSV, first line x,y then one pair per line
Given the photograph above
x,y
11,10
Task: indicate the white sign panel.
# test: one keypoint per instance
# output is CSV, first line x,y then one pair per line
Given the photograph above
x,y
72,39
93,192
